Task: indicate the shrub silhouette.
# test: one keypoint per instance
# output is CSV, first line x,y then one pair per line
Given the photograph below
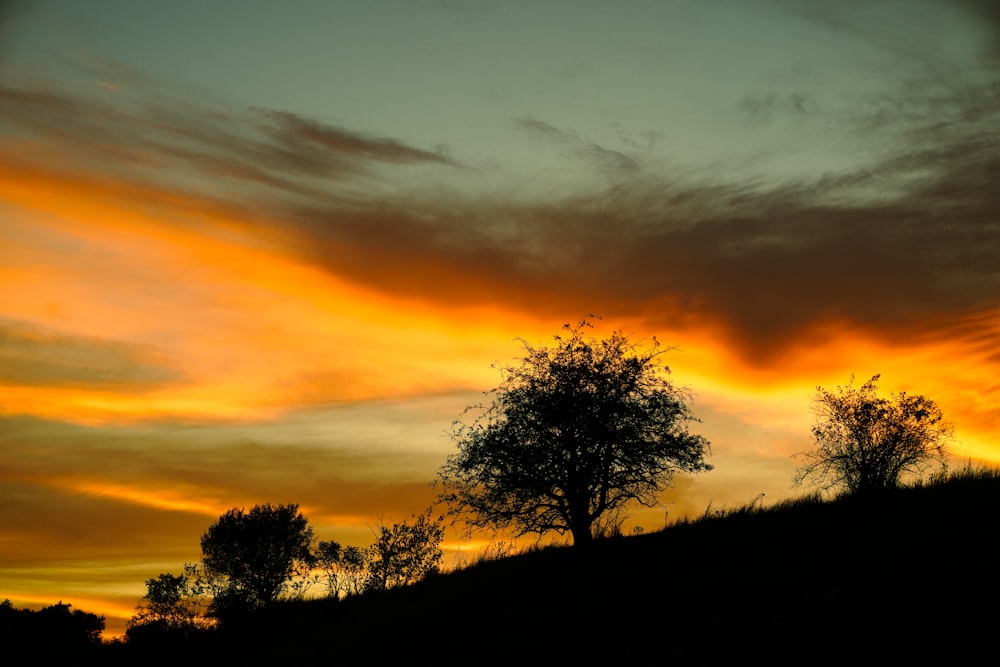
x,y
866,444
405,553
345,568
172,608
52,634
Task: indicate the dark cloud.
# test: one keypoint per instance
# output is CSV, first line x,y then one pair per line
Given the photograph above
x,y
599,157
543,129
769,276
908,238
10,15
763,108
896,245
274,150
988,12
34,357
301,135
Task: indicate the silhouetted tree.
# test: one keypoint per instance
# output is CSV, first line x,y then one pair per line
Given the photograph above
x,y
866,444
173,607
405,553
345,568
254,555
52,634
573,435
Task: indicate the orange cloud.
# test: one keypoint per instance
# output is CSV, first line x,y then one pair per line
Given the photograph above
x,y
248,329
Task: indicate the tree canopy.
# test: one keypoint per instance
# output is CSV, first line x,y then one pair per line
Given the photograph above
x,y
55,634
405,553
573,435
866,444
255,554
172,607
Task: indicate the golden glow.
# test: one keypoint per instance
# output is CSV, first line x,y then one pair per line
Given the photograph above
x,y
248,331
172,500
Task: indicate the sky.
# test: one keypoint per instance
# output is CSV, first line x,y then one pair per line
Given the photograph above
x,y
259,252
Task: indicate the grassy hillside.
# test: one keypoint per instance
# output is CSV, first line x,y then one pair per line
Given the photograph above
x,y
905,579
806,583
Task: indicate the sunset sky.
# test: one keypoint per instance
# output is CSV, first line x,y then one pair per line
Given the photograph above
x,y
267,252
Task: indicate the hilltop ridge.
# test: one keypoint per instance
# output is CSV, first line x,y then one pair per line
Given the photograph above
x,y
905,578
902,579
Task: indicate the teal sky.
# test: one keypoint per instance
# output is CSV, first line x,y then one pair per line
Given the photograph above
x,y
770,89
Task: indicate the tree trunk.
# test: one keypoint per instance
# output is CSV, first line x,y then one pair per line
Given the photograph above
x,y
583,535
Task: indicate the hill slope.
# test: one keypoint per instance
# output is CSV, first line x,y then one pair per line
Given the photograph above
x,y
906,579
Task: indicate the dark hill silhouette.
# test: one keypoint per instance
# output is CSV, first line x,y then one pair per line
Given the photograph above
x,y
907,578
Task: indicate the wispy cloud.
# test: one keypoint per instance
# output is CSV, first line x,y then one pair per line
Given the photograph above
x,y
298,136
35,357
612,162
256,148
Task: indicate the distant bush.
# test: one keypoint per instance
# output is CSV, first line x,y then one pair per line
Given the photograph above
x,y
867,444
405,553
51,633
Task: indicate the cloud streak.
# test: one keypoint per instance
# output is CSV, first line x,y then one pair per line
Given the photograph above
x,y
29,356
609,161
257,148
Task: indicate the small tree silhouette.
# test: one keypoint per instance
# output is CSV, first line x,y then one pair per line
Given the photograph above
x,y
345,568
404,553
866,444
254,555
173,608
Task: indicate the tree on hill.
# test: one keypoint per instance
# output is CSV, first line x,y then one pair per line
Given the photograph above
x,y
405,553
254,555
574,434
173,606
53,634
866,444
345,568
